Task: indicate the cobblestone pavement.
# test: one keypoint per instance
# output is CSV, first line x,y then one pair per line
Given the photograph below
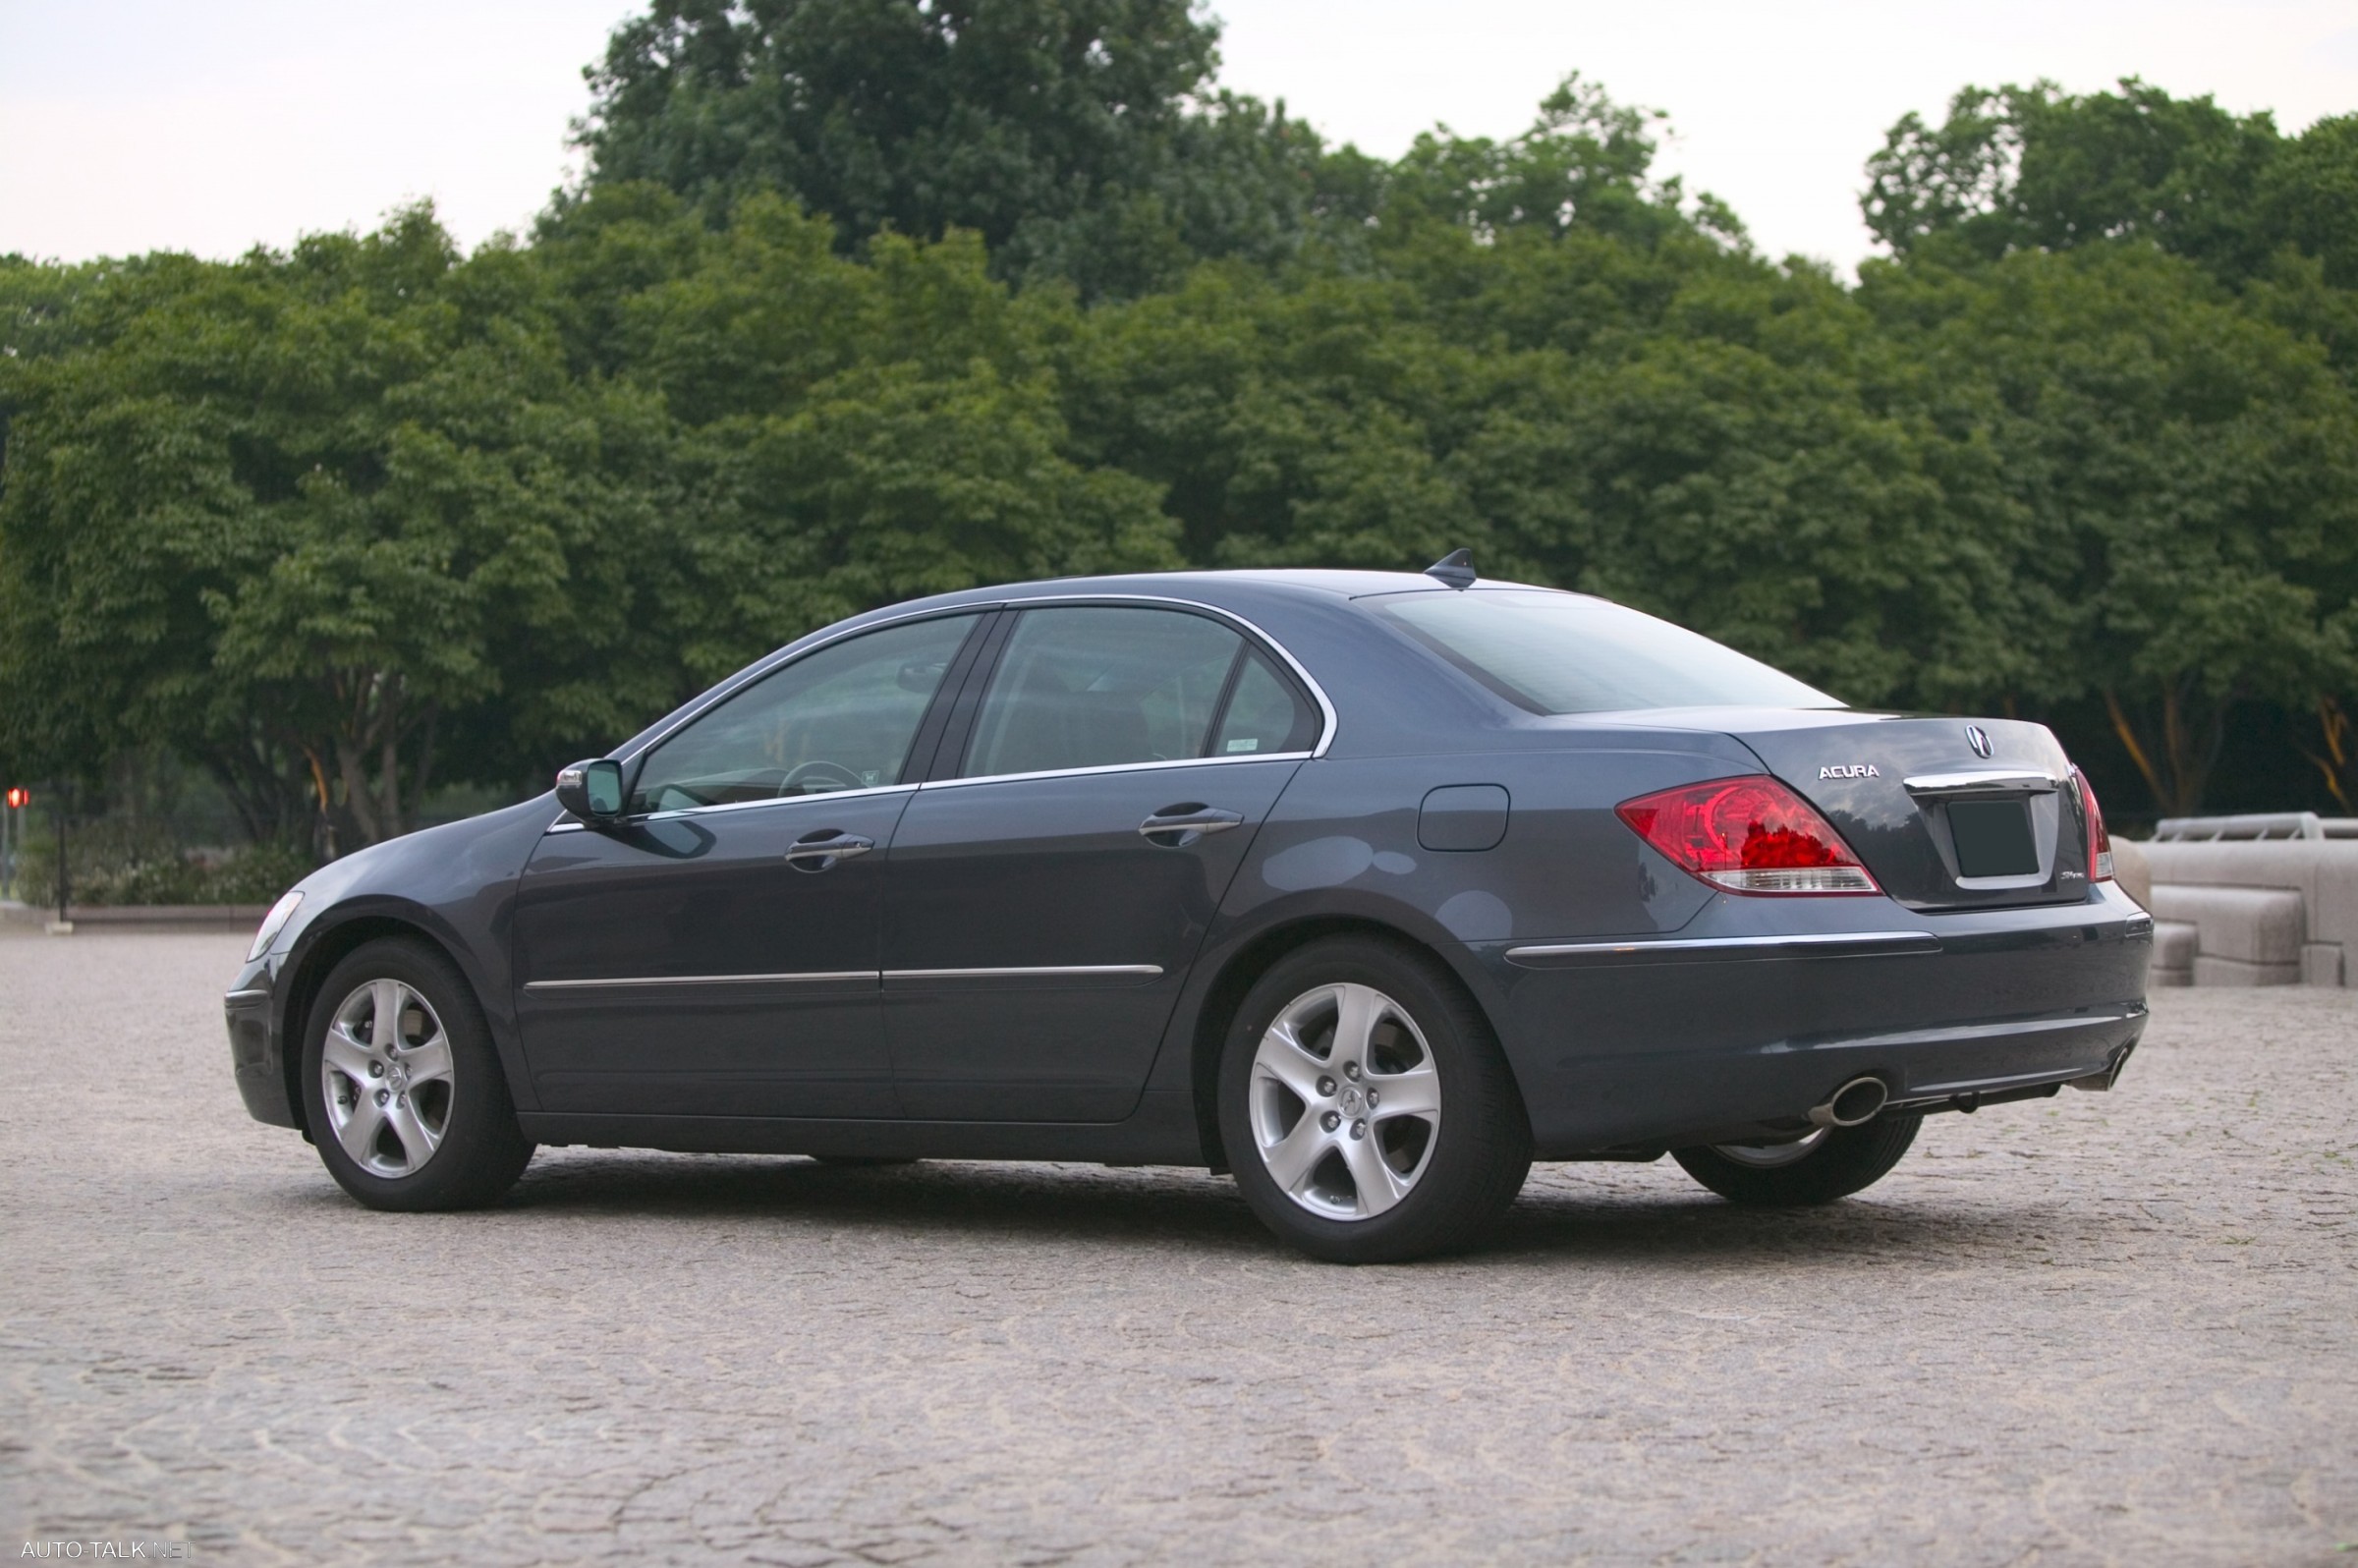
x,y
2115,1328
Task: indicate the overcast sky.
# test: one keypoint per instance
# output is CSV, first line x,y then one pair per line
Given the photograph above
x,y
213,125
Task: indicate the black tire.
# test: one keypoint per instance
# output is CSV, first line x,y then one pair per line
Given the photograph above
x,y
1468,1163
481,1151
1845,1160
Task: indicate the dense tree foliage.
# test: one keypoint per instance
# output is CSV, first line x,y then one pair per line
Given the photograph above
x,y
867,298
2036,168
1079,137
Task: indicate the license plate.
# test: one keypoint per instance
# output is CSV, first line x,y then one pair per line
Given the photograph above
x,y
1993,838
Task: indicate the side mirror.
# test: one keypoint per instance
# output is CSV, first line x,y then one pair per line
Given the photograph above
x,y
591,791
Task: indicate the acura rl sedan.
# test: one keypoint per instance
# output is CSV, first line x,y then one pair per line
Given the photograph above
x,y
1370,888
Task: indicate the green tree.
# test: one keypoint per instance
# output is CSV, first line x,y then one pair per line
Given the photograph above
x,y
2035,167
2183,476
1080,137
2309,197
278,513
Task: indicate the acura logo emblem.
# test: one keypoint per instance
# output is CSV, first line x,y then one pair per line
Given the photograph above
x,y
1978,739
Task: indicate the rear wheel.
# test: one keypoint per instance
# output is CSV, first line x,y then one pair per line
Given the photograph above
x,y
1364,1105
403,1091
1833,1162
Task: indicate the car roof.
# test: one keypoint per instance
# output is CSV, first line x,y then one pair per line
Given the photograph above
x,y
1210,587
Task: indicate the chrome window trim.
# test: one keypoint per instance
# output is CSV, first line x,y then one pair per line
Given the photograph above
x,y
1114,767
1328,723
1317,693
1863,944
567,824
782,800
779,660
1035,971
701,980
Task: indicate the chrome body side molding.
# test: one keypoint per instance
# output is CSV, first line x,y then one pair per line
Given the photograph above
x,y
1827,944
801,977
1041,972
1045,971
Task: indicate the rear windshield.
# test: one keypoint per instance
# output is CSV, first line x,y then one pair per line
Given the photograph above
x,y
1563,654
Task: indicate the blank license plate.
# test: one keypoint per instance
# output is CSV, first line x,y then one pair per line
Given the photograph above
x,y
1993,838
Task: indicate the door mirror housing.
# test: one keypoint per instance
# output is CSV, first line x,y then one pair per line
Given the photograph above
x,y
591,791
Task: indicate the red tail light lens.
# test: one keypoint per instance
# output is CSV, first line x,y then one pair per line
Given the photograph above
x,y
1748,835
2100,842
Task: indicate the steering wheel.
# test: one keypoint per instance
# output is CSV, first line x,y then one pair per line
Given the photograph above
x,y
834,774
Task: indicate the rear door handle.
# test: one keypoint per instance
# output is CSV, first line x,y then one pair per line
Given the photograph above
x,y
816,851
1177,826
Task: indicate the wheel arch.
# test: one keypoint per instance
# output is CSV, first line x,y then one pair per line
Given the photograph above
x,y
1243,969
311,967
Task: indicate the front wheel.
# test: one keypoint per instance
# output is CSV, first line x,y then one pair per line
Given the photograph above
x,y
1832,1163
402,1088
1364,1105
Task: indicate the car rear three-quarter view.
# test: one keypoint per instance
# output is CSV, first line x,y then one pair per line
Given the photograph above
x,y
1371,888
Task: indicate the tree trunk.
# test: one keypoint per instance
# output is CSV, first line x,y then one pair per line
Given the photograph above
x,y
264,786
2176,763
2339,763
359,801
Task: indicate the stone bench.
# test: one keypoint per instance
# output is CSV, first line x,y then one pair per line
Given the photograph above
x,y
2243,935
2264,911
2174,945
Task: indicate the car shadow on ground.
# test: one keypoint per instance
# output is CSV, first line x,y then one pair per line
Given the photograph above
x,y
1081,1202
1158,1207
1681,1228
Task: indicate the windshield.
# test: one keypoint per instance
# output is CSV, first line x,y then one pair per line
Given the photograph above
x,y
1565,653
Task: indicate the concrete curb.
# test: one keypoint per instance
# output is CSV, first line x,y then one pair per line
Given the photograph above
x,y
139,916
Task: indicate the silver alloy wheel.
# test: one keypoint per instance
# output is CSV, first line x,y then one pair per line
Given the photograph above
x,y
1771,1156
386,1067
1345,1101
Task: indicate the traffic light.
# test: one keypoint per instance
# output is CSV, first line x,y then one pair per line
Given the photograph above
x,y
19,798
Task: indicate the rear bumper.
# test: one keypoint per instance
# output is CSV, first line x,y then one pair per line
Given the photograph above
x,y
1730,1029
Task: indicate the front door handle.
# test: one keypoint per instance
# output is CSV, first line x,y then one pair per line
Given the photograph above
x,y
1178,826
816,851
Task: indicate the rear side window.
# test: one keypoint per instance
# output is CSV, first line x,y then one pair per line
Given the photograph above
x,y
1264,714
1101,686
1567,653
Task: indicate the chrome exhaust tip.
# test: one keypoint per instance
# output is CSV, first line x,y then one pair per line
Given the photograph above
x,y
1854,1104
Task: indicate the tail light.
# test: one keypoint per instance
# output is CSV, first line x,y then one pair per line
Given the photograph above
x,y
1748,835
2100,842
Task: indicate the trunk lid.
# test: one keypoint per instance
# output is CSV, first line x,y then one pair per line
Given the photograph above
x,y
1945,812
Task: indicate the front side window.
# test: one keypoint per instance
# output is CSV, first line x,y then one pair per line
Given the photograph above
x,y
841,718
1087,686
1567,653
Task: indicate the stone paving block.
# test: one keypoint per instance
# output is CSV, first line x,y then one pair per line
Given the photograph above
x,y
2093,1329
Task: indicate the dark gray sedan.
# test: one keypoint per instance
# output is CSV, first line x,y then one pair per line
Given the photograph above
x,y
1371,888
